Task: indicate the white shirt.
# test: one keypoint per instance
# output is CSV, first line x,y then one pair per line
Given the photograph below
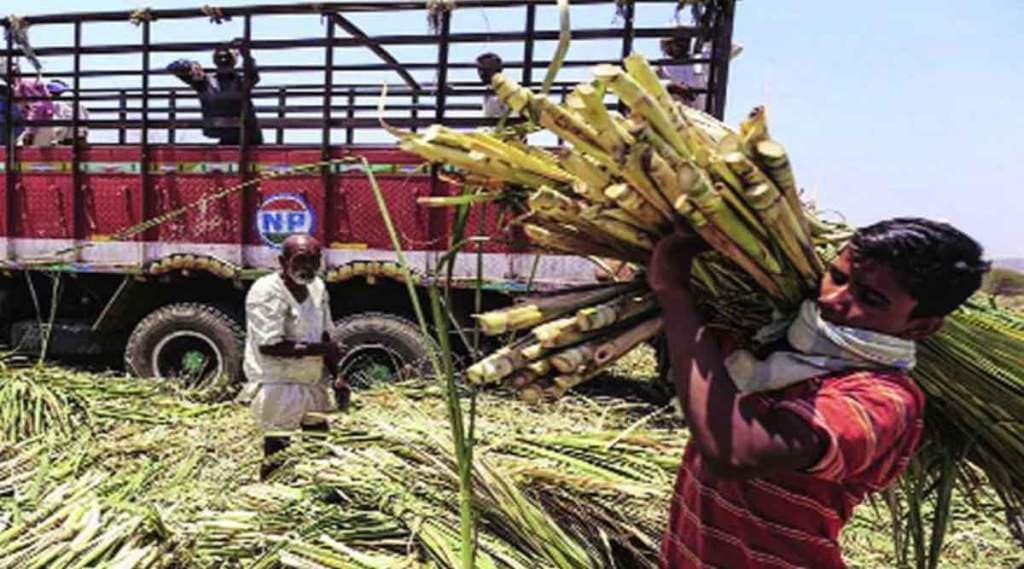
x,y
64,111
493,107
695,75
273,315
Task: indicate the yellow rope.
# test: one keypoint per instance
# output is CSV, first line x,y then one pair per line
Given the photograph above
x,y
141,15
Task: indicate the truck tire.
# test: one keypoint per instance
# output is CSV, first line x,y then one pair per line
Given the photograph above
x,y
378,347
198,343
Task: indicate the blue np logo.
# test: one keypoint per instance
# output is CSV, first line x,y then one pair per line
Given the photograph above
x,y
282,215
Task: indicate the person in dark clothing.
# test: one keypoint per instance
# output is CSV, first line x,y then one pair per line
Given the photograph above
x,y
16,117
222,94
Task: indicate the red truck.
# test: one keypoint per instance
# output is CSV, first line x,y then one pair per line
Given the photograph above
x,y
141,241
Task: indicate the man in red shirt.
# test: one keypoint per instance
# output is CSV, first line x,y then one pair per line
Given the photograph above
x,y
769,478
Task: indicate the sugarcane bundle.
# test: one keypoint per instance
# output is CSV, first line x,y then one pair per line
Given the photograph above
x,y
622,182
32,404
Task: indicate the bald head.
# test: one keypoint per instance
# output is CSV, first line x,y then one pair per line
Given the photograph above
x,y
300,244
300,259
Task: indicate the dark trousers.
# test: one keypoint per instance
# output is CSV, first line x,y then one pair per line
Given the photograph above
x,y
233,138
274,445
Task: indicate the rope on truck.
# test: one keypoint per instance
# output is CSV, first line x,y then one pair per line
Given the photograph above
x,y
17,32
148,224
219,266
141,15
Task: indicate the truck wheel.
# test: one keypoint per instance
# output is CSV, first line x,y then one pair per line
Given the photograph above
x,y
196,343
378,347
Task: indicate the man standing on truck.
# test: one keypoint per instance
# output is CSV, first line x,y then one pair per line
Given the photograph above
x,y
223,94
487,66
35,104
688,82
288,350
781,450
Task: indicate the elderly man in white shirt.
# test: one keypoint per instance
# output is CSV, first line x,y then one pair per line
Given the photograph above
x,y
289,355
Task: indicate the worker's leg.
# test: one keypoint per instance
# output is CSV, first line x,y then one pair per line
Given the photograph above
x,y
272,445
319,427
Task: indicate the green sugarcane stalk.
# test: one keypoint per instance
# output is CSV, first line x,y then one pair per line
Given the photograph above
x,y
633,94
463,440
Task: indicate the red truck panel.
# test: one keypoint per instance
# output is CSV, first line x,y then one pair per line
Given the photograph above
x,y
184,176
44,196
50,215
112,198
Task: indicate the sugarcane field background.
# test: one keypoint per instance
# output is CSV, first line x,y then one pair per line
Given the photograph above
x,y
544,435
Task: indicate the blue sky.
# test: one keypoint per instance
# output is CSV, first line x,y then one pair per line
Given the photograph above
x,y
887,108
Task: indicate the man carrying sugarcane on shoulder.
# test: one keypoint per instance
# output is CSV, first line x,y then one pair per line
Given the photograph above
x,y
289,351
782,449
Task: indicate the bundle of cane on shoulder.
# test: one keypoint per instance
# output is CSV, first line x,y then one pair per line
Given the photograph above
x,y
620,184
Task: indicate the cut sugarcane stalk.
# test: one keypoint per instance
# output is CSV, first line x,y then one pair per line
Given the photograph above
x,y
622,343
632,202
633,95
513,155
613,137
754,129
713,206
597,215
628,234
574,243
666,178
793,231
574,359
772,156
547,333
712,127
784,229
504,362
534,311
539,368
616,310
635,172
555,204
723,244
589,171
550,115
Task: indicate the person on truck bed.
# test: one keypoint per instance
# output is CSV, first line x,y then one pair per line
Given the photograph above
x,y
35,103
487,66
222,94
63,110
289,355
16,116
781,450
687,81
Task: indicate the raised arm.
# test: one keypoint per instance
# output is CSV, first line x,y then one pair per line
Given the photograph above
x,y
189,72
732,432
250,72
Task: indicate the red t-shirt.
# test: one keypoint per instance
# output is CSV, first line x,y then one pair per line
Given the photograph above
x,y
872,422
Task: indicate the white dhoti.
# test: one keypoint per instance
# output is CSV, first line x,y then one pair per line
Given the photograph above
x,y
287,406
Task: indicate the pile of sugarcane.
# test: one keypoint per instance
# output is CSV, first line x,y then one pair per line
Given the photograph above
x,y
156,480
624,180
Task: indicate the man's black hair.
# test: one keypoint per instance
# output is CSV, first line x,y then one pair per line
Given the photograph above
x,y
934,262
488,57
